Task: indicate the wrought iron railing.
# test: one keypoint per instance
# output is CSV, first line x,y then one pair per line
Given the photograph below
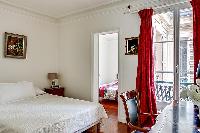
x,y
164,90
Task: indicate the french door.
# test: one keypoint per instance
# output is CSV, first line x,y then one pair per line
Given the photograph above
x,y
173,49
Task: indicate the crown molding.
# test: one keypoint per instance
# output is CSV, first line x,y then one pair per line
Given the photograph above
x,y
114,8
121,6
90,8
57,17
5,7
107,8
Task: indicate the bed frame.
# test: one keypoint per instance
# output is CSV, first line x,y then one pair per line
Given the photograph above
x,y
93,128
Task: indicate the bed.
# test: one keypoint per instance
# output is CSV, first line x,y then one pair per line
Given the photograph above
x,y
109,91
47,113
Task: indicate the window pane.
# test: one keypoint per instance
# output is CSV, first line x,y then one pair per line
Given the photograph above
x,y
163,27
186,47
164,56
163,46
164,61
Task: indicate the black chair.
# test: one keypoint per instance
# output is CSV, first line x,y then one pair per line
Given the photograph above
x,y
131,106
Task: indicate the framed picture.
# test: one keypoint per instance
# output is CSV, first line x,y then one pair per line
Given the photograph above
x,y
132,46
15,46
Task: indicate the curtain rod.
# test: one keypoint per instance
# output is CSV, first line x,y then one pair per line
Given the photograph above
x,y
159,9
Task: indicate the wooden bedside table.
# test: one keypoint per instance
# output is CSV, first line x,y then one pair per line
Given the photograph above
x,y
55,91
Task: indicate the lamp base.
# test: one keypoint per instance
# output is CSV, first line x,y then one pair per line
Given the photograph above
x,y
54,83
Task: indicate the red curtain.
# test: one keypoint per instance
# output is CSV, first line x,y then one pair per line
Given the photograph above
x,y
196,34
145,70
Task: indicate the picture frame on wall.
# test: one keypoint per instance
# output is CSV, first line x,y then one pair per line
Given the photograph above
x,y
15,46
132,45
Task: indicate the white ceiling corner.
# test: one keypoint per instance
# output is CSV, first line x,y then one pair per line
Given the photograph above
x,y
57,8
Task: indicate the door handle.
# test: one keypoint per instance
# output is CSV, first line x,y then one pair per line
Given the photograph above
x,y
177,69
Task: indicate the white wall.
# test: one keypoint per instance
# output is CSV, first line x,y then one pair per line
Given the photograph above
x,y
66,49
108,57
42,47
75,56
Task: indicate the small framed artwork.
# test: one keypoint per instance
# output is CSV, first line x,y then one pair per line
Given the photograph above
x,y
132,46
15,46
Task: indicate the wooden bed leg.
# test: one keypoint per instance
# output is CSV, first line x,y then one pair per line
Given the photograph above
x,y
94,129
98,127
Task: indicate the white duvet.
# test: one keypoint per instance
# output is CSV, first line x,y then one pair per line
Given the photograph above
x,y
165,121
49,114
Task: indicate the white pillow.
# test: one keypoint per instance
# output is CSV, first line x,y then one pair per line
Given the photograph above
x,y
28,88
38,91
15,91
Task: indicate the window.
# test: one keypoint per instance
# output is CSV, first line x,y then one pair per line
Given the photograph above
x,y
163,29
163,46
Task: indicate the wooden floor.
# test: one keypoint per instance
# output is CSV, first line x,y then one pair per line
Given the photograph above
x,y
111,125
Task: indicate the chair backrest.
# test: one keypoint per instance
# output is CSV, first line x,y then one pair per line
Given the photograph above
x,y
130,102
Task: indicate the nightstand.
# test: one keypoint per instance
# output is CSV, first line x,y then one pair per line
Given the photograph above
x,y
55,91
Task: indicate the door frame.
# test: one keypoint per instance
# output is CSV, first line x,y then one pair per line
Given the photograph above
x,y
176,91
95,63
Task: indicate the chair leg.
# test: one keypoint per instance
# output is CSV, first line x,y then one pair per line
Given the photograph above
x,y
128,129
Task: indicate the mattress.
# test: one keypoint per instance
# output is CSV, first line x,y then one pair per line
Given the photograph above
x,y
49,114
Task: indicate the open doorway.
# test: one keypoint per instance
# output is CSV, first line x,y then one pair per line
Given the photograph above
x,y
105,69
108,69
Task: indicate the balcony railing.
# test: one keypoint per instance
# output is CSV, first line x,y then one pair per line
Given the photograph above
x,y
164,90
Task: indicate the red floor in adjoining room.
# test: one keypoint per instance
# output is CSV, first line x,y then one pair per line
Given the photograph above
x,y
111,125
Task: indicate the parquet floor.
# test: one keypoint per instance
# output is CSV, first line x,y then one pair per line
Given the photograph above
x,y
111,125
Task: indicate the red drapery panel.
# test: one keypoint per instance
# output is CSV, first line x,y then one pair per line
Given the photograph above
x,y
196,34
145,70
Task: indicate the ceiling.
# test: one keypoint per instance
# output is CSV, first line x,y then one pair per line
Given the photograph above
x,y
57,8
60,8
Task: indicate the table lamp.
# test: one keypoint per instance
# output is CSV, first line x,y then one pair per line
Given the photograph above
x,y
53,77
